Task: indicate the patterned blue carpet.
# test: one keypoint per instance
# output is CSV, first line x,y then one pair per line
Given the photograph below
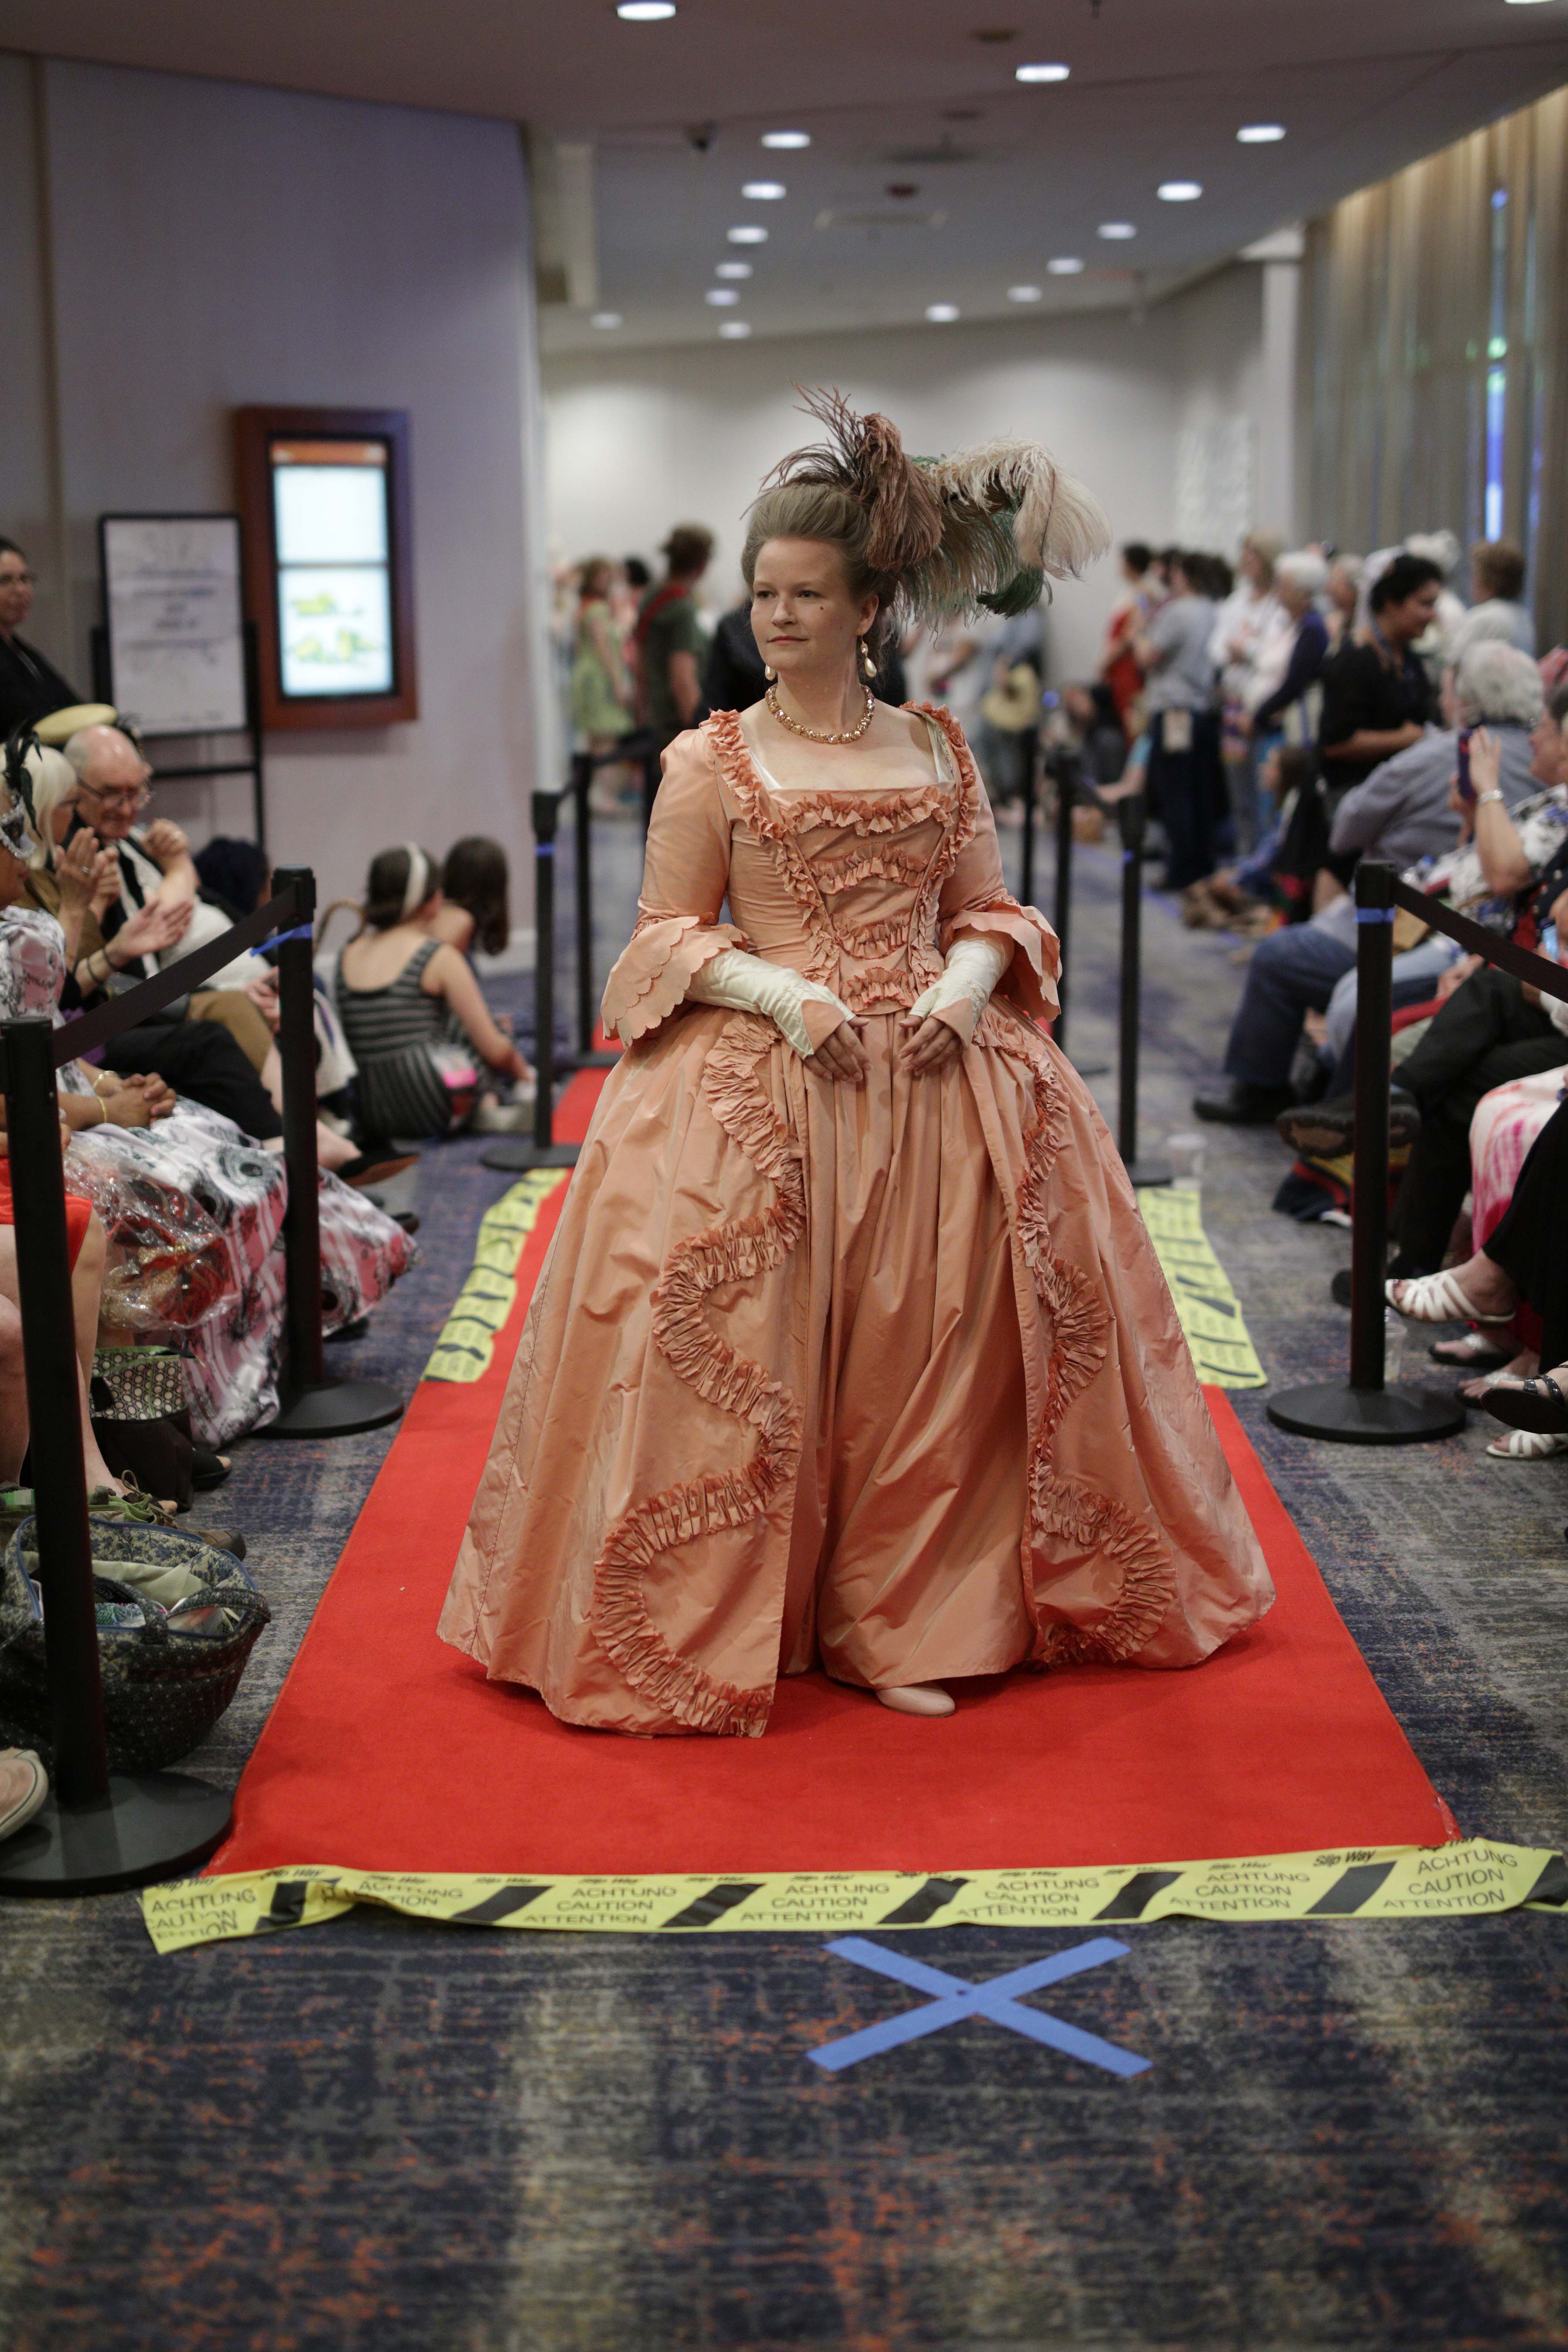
x,y
376,2134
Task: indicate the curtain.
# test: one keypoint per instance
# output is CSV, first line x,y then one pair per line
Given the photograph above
x,y
1437,310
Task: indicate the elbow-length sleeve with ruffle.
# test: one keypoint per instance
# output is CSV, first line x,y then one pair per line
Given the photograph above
x,y
685,875
975,903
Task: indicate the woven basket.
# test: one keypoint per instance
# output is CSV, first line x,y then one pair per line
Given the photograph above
x,y
165,1683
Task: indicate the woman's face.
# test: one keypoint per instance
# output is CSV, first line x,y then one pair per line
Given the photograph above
x,y
1548,750
596,580
1402,623
15,590
805,617
1343,588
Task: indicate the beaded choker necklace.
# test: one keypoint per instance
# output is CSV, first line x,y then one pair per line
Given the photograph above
x,y
822,734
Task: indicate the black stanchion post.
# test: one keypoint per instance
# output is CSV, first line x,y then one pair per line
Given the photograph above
x,y
97,1830
1131,815
1030,746
312,1406
588,1057
543,1151
1363,1412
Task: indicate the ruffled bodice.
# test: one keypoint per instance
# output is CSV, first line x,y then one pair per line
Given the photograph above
x,y
863,891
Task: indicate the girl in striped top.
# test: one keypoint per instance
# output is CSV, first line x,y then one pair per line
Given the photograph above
x,y
427,1048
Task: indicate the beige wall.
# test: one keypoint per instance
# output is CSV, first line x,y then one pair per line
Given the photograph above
x,y
637,440
209,245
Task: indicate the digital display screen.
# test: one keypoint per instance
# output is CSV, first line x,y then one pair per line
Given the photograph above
x,y
331,529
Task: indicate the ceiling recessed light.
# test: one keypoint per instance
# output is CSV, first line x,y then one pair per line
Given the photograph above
x,y
1180,192
732,330
1117,229
722,296
734,270
607,319
747,235
941,314
1260,134
1023,293
763,192
1041,73
786,138
644,12
1065,265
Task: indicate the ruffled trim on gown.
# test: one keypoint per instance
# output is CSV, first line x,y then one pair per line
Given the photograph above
x,y
656,969
1029,980
738,1251
1066,1508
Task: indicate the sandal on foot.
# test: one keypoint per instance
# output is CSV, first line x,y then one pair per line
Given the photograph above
x,y
1474,1353
1437,1298
24,1785
1540,1405
1525,1445
133,1508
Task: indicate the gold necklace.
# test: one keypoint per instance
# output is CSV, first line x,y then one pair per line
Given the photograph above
x,y
821,734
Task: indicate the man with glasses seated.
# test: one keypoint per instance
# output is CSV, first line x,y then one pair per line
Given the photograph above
x,y
211,1045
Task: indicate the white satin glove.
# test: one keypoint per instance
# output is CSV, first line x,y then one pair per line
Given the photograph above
x,y
744,983
973,970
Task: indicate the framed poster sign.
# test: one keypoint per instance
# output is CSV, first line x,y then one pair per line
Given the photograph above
x,y
173,621
329,571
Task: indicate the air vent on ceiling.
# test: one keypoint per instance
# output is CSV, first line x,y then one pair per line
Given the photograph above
x,y
946,153
879,217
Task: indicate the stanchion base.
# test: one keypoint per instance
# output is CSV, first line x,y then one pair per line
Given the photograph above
x,y
598,1059
334,1408
1347,1416
153,1826
516,1158
1147,1174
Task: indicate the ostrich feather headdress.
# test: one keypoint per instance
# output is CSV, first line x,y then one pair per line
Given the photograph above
x,y
979,531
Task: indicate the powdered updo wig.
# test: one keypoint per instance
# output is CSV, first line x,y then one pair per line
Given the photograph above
x,y
934,539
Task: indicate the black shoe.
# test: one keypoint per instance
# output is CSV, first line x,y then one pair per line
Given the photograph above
x,y
1326,1131
1340,1287
1234,1104
348,1331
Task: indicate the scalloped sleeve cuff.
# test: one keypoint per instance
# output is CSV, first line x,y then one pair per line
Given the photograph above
x,y
650,981
1031,980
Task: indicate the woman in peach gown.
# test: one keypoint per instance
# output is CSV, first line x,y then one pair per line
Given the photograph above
x,y
851,1348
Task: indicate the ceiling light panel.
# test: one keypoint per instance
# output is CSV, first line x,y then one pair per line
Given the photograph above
x,y
1065,265
1116,230
734,270
722,296
607,319
1041,73
786,138
1023,293
644,12
747,234
764,192
734,329
941,314
1180,192
1260,134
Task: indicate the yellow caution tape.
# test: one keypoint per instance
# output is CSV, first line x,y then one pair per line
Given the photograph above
x,y
1470,1879
1209,1308
480,1309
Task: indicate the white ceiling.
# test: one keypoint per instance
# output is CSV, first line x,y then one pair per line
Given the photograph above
x,y
674,111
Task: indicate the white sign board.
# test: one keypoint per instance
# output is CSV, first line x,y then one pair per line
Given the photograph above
x,y
176,639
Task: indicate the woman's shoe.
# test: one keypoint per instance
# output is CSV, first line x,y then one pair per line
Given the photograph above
x,y
208,1470
1437,1298
24,1785
368,1169
1473,1353
1525,1445
133,1508
1540,1405
916,1698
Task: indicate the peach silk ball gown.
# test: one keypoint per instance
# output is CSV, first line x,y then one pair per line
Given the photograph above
x,y
885,1377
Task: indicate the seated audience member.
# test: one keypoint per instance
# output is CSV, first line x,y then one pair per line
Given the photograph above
x,y
475,912
191,1209
1525,1259
30,686
1377,697
1402,813
1497,612
1185,781
427,1045
1273,884
1489,1030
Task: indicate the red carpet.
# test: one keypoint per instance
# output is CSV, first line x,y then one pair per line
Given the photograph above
x,y
386,1750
